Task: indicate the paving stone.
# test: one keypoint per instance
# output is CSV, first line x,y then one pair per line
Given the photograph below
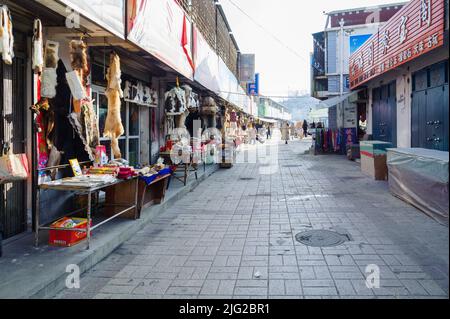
x,y
203,248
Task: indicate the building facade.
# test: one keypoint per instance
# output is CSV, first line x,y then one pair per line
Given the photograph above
x,y
406,80
196,48
344,32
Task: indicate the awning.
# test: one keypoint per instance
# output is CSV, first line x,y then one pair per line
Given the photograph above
x,y
263,119
336,100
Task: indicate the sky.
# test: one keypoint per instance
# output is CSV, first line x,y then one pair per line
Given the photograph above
x,y
292,22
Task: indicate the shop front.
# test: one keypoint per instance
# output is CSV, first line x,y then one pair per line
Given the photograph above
x,y
14,131
404,68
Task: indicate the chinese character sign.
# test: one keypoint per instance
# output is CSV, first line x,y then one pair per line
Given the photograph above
x,y
414,30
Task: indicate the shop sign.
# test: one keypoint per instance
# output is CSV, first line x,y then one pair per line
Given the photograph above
x,y
140,94
206,63
253,88
161,28
356,41
413,31
247,68
108,14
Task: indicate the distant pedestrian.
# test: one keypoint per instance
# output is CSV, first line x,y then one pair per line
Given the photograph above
x,y
268,132
305,128
285,132
252,135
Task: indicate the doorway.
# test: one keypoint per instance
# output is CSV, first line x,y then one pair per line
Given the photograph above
x,y
384,113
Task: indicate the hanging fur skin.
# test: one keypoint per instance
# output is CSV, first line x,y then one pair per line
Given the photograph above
x,y
79,60
113,126
6,35
38,47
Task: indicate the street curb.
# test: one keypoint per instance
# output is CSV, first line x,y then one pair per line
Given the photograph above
x,y
57,282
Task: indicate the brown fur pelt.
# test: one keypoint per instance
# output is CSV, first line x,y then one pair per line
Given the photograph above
x,y
79,59
113,126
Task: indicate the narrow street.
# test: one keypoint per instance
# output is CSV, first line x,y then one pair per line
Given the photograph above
x,y
234,237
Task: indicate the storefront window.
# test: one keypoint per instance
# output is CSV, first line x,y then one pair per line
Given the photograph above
x,y
129,142
134,119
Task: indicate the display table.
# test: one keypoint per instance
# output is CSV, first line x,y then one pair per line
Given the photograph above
x,y
373,159
121,200
152,193
183,170
420,177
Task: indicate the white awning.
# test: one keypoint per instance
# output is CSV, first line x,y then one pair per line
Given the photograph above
x,y
263,119
336,100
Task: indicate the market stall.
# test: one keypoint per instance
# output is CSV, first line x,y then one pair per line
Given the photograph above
x,y
88,128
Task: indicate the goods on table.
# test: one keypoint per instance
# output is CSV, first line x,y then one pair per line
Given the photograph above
x,y
126,172
104,170
100,155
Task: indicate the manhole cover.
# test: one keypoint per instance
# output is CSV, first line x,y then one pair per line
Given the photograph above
x,y
320,238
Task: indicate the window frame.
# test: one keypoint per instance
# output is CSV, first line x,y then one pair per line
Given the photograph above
x,y
99,90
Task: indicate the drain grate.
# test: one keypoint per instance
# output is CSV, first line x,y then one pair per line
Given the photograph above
x,y
247,178
292,166
321,238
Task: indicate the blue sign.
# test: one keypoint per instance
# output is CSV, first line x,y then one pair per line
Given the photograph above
x,y
253,88
358,40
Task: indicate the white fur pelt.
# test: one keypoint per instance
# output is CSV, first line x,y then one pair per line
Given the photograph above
x,y
6,35
113,126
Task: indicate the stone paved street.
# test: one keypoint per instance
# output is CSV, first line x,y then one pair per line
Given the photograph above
x,y
234,237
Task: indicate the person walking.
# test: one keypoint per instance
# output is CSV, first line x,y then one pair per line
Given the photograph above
x,y
305,128
292,131
268,132
285,132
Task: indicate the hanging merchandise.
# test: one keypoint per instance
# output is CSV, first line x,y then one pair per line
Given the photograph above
x,y
113,125
77,79
78,59
208,111
85,125
140,94
49,78
38,47
192,102
6,35
13,167
75,85
175,101
150,97
233,117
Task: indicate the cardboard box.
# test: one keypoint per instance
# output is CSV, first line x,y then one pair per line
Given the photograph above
x,y
67,238
373,159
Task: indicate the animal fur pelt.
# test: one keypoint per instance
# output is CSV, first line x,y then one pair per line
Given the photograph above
x,y
175,101
6,35
79,59
113,125
38,52
192,101
85,124
49,77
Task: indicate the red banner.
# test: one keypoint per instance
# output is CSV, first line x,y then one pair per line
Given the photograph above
x,y
415,30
